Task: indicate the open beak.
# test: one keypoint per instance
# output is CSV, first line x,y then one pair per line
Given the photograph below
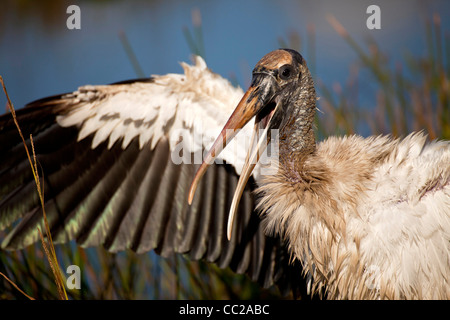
x,y
257,101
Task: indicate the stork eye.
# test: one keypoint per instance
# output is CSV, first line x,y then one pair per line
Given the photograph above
x,y
286,72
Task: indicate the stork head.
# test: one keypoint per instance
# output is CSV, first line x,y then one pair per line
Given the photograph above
x,y
277,84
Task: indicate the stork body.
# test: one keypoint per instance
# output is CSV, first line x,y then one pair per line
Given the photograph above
x,y
365,218
368,218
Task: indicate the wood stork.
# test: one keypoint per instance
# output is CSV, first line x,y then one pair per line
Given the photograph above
x,y
366,218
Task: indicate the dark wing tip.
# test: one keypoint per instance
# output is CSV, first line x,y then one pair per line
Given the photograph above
x,y
130,198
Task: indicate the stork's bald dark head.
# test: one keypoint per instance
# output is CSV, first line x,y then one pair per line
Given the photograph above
x,y
276,80
279,82
282,64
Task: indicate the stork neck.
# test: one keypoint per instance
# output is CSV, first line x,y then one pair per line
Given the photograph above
x,y
297,135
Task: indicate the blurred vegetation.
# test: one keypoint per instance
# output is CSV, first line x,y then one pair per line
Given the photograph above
x,y
404,104
125,275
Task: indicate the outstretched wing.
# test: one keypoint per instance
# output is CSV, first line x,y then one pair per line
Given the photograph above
x,y
117,162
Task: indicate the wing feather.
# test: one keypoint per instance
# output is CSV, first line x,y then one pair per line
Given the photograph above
x,y
108,157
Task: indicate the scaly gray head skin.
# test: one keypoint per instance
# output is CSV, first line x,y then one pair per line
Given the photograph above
x,y
284,73
281,97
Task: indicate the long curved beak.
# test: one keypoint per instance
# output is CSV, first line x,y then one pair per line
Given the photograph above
x,y
253,102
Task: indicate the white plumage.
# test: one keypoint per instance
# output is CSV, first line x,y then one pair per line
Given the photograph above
x,y
380,228
189,109
368,218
